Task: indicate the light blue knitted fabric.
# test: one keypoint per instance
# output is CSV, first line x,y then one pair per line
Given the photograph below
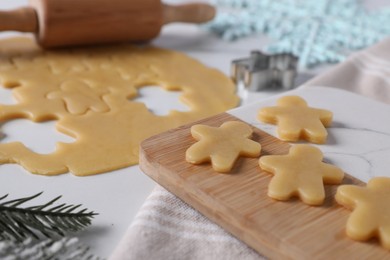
x,y
317,31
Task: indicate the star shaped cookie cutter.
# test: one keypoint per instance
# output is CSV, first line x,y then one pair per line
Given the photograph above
x,y
260,71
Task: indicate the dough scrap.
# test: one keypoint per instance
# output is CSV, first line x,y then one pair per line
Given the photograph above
x,y
222,145
300,173
296,120
89,91
371,210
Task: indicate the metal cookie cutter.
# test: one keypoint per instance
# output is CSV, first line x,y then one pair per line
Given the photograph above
x,y
260,71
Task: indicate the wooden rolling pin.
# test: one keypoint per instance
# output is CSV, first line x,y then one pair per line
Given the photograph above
x,y
58,23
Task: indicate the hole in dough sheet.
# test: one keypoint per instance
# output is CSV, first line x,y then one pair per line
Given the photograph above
x,y
38,137
6,97
160,101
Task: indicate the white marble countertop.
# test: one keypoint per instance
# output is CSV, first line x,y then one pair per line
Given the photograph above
x,y
119,205
359,137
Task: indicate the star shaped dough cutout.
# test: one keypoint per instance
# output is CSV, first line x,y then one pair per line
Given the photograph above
x,y
222,145
371,210
296,120
300,173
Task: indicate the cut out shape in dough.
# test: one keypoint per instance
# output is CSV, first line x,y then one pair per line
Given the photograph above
x,y
106,124
371,210
151,96
300,173
296,120
41,138
222,145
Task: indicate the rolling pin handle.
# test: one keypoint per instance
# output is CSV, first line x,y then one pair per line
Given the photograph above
x,y
188,13
22,19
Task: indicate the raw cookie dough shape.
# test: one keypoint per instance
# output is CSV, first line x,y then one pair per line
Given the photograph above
x,y
108,127
79,97
300,173
371,210
222,145
296,120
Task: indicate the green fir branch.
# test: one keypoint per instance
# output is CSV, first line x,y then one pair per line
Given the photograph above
x,y
65,248
18,223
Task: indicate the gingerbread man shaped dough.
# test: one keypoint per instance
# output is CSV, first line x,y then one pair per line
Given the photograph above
x,y
300,173
371,210
222,145
296,120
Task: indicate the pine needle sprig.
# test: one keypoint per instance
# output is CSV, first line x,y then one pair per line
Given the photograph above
x,y
65,248
18,223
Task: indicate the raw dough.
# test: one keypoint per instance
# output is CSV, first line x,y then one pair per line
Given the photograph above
x,y
296,120
300,173
222,145
88,90
371,210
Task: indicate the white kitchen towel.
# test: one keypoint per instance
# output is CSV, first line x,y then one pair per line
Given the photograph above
x,y
168,228
366,72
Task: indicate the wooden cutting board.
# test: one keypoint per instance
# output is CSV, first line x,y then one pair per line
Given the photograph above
x,y
239,203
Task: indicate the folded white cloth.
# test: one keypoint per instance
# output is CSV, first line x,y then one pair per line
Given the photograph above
x,y
168,228
365,72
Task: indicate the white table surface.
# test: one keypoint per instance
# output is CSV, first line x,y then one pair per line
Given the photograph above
x,y
117,196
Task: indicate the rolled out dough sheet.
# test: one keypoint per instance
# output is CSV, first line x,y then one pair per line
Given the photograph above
x,y
89,92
